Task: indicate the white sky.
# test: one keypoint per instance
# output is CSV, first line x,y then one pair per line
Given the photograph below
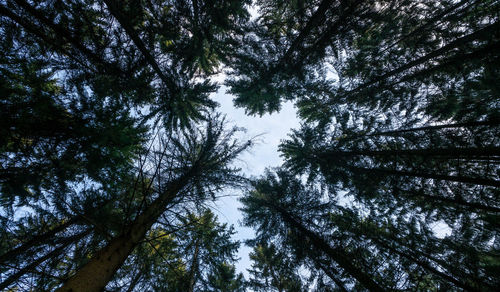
x,y
264,153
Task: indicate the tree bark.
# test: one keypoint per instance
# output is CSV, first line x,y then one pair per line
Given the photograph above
x,y
484,32
454,178
319,243
194,267
95,275
493,122
114,9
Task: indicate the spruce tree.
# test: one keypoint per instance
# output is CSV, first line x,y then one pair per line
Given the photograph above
x,y
356,247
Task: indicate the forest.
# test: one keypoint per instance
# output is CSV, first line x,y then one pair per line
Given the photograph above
x,y
112,147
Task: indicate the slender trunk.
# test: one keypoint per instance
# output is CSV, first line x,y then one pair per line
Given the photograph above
x,y
454,178
456,61
386,239
30,267
493,122
64,34
134,282
194,267
408,255
485,32
449,153
114,9
330,275
316,19
343,260
95,275
37,240
322,42
438,17
471,206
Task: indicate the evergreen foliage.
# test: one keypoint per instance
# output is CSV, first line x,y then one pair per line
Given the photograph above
x,y
111,147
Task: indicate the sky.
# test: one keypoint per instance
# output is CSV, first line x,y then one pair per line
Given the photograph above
x,y
270,129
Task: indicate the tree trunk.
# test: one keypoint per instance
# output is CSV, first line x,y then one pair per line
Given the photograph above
x,y
484,32
114,9
330,275
194,267
326,38
316,19
454,178
337,256
95,275
449,153
427,266
471,206
456,61
439,17
493,122
134,282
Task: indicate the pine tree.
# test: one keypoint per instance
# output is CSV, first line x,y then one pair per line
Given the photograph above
x,y
445,171
378,251
436,58
185,168
88,85
268,208
198,167
165,260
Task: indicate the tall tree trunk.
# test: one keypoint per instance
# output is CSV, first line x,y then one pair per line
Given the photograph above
x,y
134,282
471,206
316,19
456,61
194,266
336,255
114,8
454,178
438,17
492,153
326,37
95,275
483,33
330,275
492,122
427,266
